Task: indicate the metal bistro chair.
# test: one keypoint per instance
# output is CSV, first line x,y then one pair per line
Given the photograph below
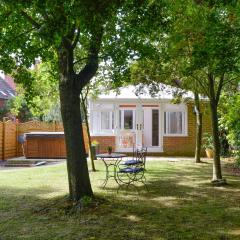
x,y
132,171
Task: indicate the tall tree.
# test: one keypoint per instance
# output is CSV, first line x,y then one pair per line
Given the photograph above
x,y
56,28
74,32
201,46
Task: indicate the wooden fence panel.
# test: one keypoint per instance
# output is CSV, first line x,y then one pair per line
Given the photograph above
x,y
10,139
10,131
35,126
59,127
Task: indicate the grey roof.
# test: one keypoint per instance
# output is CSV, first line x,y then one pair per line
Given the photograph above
x,y
6,92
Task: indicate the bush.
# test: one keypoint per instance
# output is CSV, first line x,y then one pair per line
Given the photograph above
x,y
230,121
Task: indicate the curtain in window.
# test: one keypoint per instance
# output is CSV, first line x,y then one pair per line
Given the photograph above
x,y
105,120
174,122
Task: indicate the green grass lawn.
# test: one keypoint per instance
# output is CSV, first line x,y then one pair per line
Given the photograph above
x,y
181,204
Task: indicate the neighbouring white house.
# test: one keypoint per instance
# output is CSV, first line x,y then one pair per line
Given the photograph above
x,y
125,120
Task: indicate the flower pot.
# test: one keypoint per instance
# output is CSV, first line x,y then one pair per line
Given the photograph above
x,y
209,152
94,150
109,151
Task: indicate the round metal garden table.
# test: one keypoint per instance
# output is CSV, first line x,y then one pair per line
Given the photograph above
x,y
110,160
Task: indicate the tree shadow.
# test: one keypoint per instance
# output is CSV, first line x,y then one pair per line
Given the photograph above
x,y
180,205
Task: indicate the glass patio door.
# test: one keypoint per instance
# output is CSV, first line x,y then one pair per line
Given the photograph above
x,y
130,132
126,134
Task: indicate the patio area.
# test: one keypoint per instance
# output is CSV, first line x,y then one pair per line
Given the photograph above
x,y
181,204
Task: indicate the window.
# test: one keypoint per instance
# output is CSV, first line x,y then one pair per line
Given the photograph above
x,y
126,119
107,120
2,92
174,123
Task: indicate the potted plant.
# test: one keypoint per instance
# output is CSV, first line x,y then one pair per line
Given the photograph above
x,y
109,149
94,148
208,145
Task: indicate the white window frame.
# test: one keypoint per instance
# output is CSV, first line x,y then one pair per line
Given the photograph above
x,y
172,108
121,123
111,120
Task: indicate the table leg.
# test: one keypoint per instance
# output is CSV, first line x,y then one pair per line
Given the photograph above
x,y
115,170
107,174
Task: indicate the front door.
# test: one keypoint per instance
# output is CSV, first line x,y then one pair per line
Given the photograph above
x,y
139,125
126,137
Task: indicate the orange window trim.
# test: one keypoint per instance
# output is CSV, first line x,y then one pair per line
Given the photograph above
x,y
127,106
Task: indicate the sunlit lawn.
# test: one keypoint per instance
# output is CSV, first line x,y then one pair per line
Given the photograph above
x,y
181,204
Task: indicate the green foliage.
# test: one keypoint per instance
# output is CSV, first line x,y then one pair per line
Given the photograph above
x,y
208,141
230,119
200,40
4,112
54,114
44,89
18,106
237,162
38,92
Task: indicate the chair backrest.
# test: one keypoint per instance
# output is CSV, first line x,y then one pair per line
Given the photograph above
x,y
140,155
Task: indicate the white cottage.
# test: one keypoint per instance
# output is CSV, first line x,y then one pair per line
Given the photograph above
x,y
125,120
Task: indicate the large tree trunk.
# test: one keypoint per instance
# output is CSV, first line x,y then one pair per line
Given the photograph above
x,y
79,182
78,176
198,129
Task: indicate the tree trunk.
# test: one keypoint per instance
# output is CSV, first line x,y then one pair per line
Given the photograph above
x,y
198,129
88,133
78,176
217,172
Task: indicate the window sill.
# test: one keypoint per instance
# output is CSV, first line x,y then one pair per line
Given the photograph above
x,y
102,134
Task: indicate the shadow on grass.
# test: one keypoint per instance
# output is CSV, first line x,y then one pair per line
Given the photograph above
x,y
181,204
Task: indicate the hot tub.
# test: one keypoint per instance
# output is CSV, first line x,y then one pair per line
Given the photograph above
x,y
45,145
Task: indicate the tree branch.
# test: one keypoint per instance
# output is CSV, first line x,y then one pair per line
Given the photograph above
x,y
204,88
219,88
30,19
231,80
80,60
89,70
212,95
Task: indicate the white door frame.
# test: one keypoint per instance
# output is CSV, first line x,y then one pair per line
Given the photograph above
x,y
121,130
160,134
138,127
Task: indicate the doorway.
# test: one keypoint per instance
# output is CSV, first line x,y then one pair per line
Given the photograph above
x,y
151,127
